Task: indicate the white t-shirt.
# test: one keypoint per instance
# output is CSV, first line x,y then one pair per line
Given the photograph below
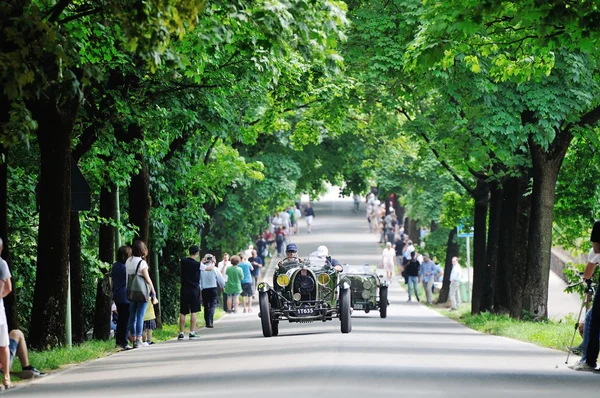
x,y
388,256
456,274
222,266
5,276
593,257
298,213
132,263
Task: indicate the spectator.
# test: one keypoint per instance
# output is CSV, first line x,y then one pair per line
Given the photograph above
x,y
412,273
149,322
309,214
285,219
593,346
398,245
261,247
298,215
137,264
246,281
119,280
280,239
18,347
257,264
248,251
189,302
210,282
5,289
428,272
233,286
222,266
455,277
387,259
114,317
356,202
293,221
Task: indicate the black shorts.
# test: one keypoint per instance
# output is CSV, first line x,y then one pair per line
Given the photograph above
x,y
189,301
246,289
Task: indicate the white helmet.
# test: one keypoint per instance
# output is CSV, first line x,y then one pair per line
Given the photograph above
x,y
322,251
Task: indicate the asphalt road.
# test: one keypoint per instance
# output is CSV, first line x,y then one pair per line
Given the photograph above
x,y
414,352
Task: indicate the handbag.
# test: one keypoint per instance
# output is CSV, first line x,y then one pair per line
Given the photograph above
x,y
138,289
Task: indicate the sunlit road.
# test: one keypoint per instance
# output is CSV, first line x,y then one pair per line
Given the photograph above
x,y
415,352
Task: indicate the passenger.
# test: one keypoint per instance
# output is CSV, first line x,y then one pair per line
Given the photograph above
x,y
323,252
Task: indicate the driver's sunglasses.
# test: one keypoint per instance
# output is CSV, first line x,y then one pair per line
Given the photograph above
x,y
292,251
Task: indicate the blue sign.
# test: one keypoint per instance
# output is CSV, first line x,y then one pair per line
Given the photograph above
x,y
464,232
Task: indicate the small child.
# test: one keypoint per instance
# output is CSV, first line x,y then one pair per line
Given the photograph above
x,y
149,321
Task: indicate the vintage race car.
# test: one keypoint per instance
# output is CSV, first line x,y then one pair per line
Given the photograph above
x,y
304,291
369,290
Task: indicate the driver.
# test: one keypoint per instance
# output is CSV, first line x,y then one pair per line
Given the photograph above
x,y
323,252
291,256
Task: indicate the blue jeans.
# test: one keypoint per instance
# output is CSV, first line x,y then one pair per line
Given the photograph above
x,y
136,318
413,280
586,333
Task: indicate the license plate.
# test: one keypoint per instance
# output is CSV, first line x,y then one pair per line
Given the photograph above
x,y
304,311
358,306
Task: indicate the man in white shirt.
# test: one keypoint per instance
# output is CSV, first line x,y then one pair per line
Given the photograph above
x,y
455,277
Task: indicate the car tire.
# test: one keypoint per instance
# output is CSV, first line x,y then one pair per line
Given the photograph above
x,y
265,314
345,314
383,301
275,328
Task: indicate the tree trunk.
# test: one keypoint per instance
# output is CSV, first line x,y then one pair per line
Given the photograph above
x,y
451,251
487,297
106,253
479,244
412,230
546,165
433,226
54,190
400,212
77,324
139,200
512,246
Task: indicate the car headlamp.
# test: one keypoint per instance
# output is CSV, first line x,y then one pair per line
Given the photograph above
x,y
323,279
366,295
297,296
283,280
367,284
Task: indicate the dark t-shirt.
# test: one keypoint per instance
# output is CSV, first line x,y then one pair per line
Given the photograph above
x,y
309,212
399,245
190,273
261,245
596,232
412,268
255,272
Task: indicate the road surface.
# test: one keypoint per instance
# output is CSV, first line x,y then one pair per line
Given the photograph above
x,y
415,352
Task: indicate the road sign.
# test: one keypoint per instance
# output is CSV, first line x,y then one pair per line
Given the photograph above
x,y
464,232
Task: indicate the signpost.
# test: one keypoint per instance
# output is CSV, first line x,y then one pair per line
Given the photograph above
x,y
468,234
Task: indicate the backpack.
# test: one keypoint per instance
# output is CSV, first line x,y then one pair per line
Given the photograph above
x,y
107,283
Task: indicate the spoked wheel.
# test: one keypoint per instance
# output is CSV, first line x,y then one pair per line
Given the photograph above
x,y
345,314
383,301
275,327
265,314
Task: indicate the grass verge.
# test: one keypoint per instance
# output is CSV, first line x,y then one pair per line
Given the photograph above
x,y
555,334
58,358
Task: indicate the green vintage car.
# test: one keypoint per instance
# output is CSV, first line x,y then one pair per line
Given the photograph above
x,y
369,290
304,291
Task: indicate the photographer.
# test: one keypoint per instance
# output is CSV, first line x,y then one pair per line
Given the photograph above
x,y
591,354
189,299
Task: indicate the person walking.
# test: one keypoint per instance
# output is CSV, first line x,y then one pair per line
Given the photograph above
x,y
309,214
387,259
137,265
261,247
233,286
246,281
210,282
428,272
455,277
412,273
222,267
593,344
257,265
119,281
189,297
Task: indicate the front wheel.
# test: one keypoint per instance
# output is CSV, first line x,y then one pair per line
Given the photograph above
x,y
383,301
265,314
345,314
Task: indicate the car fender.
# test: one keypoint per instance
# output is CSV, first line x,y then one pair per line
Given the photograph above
x,y
263,287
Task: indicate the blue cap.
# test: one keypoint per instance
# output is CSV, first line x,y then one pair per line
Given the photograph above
x,y
291,248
